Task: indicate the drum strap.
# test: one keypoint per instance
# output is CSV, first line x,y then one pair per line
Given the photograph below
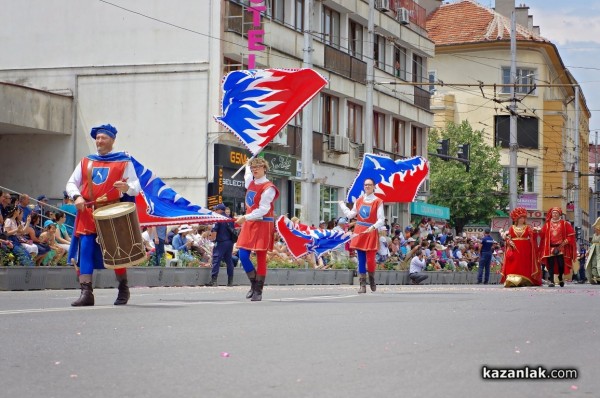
x,y
89,176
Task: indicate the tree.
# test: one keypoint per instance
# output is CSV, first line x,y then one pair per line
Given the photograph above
x,y
471,196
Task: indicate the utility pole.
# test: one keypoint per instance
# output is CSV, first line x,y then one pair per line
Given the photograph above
x,y
308,215
577,206
368,132
513,146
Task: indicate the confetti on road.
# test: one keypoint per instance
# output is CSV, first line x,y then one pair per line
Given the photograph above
x,y
225,354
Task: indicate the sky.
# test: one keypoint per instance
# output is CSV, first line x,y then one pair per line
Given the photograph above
x,y
574,27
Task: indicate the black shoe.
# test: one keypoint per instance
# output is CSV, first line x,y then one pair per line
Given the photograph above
x,y
550,284
561,283
213,282
123,296
87,296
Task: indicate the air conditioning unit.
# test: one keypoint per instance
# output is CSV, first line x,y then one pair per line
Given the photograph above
x,y
403,15
360,151
338,143
382,5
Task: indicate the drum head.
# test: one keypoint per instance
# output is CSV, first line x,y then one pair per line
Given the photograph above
x,y
113,211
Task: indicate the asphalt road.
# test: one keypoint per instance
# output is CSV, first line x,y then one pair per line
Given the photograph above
x,y
317,341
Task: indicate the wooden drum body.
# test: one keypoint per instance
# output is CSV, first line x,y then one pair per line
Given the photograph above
x,y
119,235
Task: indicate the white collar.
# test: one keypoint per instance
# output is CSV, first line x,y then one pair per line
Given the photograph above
x,y
261,180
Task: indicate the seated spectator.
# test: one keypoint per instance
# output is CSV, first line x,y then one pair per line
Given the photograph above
x,y
48,237
201,243
184,246
458,256
14,231
383,252
68,207
417,265
4,205
171,234
41,201
280,250
24,201
63,239
395,253
32,237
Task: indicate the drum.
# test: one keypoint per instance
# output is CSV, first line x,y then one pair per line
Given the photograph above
x,y
119,235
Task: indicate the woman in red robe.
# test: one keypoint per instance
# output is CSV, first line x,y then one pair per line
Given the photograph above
x,y
520,267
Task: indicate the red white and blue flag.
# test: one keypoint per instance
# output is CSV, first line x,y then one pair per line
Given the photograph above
x,y
312,241
258,103
395,180
158,204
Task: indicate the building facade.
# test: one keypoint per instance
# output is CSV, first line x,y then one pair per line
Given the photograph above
x,y
473,47
153,69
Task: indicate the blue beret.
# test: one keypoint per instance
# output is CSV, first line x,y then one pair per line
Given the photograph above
x,y
104,129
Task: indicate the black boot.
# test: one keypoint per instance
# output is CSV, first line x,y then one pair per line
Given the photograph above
x,y
372,281
560,280
550,280
229,280
87,296
260,282
252,277
213,281
123,296
363,283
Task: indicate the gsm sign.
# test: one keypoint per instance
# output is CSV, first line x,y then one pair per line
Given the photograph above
x,y
238,158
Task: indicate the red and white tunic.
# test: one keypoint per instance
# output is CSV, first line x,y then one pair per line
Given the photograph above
x,y
258,229
368,211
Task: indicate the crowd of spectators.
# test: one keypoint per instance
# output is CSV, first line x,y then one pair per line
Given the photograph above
x,y
40,235
32,232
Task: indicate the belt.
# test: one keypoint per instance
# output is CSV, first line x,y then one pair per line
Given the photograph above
x,y
555,245
269,219
364,224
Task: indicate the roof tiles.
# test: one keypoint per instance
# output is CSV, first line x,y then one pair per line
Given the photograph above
x,y
469,22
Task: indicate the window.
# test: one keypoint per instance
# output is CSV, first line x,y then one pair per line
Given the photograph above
x,y
378,130
229,65
524,76
355,122
527,131
298,200
418,70
299,16
398,137
525,178
329,206
331,27
329,114
276,10
379,51
416,141
356,39
400,62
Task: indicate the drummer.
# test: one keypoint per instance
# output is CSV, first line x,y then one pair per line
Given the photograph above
x,y
98,180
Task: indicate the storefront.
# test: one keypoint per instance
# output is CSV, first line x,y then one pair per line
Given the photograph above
x,y
422,209
231,191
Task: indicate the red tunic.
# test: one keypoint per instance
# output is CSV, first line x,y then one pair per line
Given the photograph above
x,y
97,185
366,216
522,261
258,234
552,235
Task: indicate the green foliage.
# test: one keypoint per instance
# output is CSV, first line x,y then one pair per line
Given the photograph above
x,y
344,264
471,196
281,263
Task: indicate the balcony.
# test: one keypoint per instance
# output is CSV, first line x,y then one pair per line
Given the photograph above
x,y
344,64
422,99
